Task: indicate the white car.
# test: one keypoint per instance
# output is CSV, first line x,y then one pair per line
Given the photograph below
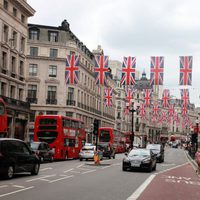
x,y
87,152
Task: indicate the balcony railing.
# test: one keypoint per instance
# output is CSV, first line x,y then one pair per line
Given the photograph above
x,y
51,101
71,103
32,100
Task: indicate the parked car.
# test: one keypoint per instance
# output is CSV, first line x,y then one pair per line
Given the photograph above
x,y
107,149
175,144
158,150
15,157
88,151
43,151
139,159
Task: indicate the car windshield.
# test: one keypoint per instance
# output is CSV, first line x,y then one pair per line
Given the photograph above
x,y
153,147
34,146
139,152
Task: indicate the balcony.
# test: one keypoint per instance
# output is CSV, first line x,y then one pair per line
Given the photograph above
x,y
51,101
70,102
32,100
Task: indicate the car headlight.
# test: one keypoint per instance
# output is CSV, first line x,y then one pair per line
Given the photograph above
x,y
148,160
126,160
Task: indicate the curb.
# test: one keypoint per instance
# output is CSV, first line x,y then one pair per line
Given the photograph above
x,y
192,161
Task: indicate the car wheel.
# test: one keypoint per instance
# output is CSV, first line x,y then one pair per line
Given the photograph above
x,y
150,169
154,168
81,159
10,172
124,168
35,170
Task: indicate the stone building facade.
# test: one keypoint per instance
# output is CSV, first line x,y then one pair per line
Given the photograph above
x,y
47,90
13,39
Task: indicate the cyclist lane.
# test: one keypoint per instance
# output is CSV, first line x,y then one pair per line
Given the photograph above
x,y
180,183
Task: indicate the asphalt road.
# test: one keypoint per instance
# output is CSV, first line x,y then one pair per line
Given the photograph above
x,y
75,180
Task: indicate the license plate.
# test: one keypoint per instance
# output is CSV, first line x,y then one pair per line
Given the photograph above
x,y
135,164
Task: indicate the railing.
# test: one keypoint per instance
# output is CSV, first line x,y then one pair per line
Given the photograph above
x,y
70,102
32,100
51,101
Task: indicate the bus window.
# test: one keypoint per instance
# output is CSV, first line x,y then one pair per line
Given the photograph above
x,y
48,121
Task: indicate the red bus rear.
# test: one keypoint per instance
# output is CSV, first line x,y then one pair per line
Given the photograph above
x,y
65,135
112,137
3,119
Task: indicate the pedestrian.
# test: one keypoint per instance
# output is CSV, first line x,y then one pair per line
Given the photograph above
x,y
197,159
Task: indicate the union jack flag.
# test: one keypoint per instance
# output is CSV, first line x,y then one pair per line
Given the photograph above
x,y
128,71
185,97
165,98
142,111
185,70
129,95
171,110
72,70
157,70
164,116
101,69
184,111
175,116
155,109
147,96
108,96
126,111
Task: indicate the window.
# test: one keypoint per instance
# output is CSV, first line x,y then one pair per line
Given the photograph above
x,y
51,92
12,91
33,34
3,88
52,71
13,64
22,47
5,33
33,51
22,18
4,60
53,36
51,112
21,68
70,95
53,53
5,4
15,12
33,69
21,91
32,91
14,39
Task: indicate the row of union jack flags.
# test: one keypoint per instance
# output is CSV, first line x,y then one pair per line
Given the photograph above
x,y
101,70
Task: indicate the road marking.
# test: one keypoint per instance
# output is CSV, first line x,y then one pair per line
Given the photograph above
x,y
41,178
80,165
116,164
76,172
59,179
105,167
44,169
6,194
170,164
89,171
3,186
68,170
138,192
18,186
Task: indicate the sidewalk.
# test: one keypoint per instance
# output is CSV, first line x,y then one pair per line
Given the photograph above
x,y
178,183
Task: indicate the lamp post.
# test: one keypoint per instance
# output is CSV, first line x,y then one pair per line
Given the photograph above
x,y
132,110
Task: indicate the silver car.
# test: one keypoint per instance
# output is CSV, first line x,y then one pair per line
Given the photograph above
x,y
87,152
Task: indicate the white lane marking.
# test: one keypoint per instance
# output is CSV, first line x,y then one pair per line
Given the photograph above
x,y
3,186
59,179
169,164
76,172
138,192
18,186
40,178
44,169
80,165
116,164
6,194
68,170
89,171
105,167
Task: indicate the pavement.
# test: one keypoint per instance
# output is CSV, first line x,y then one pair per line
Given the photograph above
x,y
178,183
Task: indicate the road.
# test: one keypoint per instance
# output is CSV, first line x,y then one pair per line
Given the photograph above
x,y
74,180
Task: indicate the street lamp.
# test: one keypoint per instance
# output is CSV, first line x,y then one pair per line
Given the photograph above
x,y
132,110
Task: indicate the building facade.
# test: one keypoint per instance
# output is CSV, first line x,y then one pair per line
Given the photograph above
x,y
13,40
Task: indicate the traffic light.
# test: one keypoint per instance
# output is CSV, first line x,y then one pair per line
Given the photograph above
x,y
96,127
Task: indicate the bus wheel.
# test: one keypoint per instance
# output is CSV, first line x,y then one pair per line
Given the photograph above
x,y
66,156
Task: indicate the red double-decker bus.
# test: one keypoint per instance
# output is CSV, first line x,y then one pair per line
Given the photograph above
x,y
113,137
3,119
65,135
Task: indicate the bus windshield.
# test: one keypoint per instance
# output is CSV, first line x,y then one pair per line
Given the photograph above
x,y
48,121
47,136
104,136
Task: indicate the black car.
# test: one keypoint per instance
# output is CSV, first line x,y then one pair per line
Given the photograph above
x,y
139,159
158,150
16,157
43,151
107,149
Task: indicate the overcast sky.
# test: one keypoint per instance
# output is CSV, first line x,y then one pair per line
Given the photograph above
x,y
139,28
